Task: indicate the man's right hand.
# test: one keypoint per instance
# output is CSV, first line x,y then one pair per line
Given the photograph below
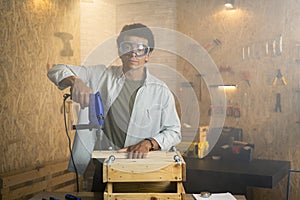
x,y
80,93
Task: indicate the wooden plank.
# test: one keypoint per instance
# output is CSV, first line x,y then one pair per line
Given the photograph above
x,y
183,168
105,174
24,183
19,178
144,196
68,188
27,190
139,165
180,189
158,166
152,155
109,188
58,167
4,194
61,179
172,172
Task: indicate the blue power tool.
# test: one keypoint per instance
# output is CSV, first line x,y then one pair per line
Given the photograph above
x,y
96,114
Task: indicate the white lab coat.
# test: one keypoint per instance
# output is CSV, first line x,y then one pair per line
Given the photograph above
x,y
153,115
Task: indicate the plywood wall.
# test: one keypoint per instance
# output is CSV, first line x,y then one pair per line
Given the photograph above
x,y
98,23
32,130
251,26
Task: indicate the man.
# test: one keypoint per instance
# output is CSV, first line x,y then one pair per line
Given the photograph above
x,y
140,114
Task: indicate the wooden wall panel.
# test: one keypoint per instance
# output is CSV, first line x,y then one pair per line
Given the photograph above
x,y
32,130
252,25
98,23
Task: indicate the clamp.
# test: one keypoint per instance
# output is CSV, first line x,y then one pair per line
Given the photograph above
x,y
279,76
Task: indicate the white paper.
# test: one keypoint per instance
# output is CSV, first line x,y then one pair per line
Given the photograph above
x,y
216,196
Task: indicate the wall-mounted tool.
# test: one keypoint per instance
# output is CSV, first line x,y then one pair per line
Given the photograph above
x,y
298,54
279,76
267,48
246,50
272,47
276,46
246,76
226,69
237,111
65,37
280,44
210,46
233,110
229,110
278,103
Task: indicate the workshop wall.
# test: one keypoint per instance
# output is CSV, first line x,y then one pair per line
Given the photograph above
x,y
33,37
97,24
149,13
250,27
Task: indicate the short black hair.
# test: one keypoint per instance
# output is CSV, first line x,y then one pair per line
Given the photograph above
x,y
138,30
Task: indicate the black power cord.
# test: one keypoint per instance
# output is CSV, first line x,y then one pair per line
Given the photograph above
x,y
66,96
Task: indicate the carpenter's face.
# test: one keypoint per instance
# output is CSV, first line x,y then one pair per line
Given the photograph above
x,y
134,52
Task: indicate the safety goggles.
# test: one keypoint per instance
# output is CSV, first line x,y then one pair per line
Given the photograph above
x,y
139,49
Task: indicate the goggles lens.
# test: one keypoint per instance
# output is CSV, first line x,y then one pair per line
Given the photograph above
x,y
139,49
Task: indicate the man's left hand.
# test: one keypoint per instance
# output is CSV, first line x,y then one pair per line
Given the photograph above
x,y
139,150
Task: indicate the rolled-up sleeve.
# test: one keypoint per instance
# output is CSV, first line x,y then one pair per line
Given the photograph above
x,y
87,74
59,72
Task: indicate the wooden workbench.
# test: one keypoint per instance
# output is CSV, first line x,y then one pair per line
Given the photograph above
x,y
158,176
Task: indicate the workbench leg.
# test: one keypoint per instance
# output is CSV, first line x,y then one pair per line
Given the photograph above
x,y
109,188
180,190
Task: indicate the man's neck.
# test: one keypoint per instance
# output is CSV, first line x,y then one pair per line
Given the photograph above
x,y
135,74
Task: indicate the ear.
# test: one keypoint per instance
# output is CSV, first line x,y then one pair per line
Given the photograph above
x,y
147,56
119,53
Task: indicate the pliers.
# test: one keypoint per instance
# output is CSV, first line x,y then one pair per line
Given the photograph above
x,y
279,76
